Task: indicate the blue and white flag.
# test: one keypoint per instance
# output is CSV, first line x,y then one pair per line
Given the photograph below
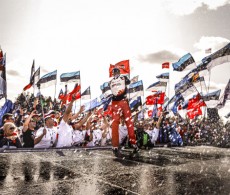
x,y
211,96
136,89
47,80
185,63
158,86
70,77
3,83
164,77
225,96
6,108
219,57
179,100
135,104
211,99
91,105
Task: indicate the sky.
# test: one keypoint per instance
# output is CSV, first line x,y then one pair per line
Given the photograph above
x,y
88,36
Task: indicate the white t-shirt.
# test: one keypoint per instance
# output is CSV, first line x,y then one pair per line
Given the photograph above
x,y
123,132
48,139
107,139
79,136
153,134
65,135
97,135
117,85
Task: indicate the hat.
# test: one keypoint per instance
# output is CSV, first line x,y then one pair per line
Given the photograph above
x,y
49,114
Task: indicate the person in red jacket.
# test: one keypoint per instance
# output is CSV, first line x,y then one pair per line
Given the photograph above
x,y
120,106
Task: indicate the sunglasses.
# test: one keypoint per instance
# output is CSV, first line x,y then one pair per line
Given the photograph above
x,y
12,128
11,119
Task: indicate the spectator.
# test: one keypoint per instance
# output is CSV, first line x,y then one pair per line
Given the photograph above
x,y
46,136
28,131
10,138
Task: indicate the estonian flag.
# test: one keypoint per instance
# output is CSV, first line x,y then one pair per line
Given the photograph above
x,y
136,89
47,80
219,57
158,86
70,77
163,77
185,63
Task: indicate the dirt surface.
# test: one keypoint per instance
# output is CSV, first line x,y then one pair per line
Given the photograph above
x,y
187,170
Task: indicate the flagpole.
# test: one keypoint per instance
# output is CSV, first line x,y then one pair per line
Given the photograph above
x,y
209,73
41,104
55,88
33,73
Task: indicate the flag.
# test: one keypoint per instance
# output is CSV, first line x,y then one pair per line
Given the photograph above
x,y
33,78
136,89
195,112
158,86
48,79
134,79
187,82
70,77
32,70
225,96
135,104
219,57
209,50
3,84
123,66
186,62
212,96
164,77
154,112
75,91
179,100
195,102
8,107
86,94
157,98
91,105
165,65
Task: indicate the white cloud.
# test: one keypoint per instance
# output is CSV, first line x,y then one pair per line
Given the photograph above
x,y
215,43
182,7
205,42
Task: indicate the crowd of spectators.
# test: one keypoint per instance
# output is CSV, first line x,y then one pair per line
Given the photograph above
x,y
40,122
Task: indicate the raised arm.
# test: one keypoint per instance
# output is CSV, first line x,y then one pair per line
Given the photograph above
x,y
68,110
78,113
26,123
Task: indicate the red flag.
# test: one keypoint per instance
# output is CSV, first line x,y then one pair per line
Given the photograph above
x,y
75,91
157,98
192,103
27,86
123,67
195,112
159,110
165,65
